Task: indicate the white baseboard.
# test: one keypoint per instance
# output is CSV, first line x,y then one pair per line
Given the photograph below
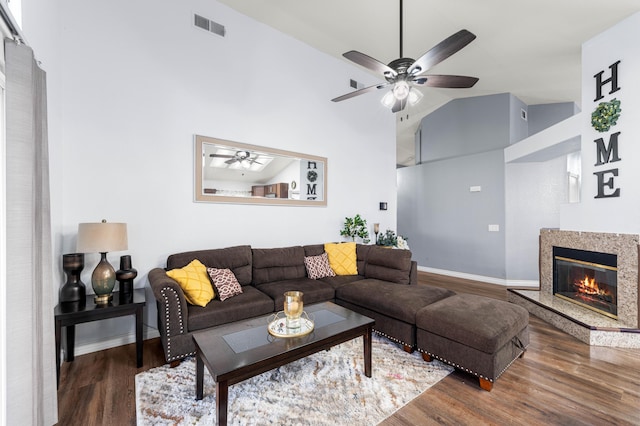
x,y
481,278
115,341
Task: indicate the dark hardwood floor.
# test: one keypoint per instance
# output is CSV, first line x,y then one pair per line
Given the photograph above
x,y
559,381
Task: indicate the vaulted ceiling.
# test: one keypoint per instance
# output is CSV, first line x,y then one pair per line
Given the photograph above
x,y
531,49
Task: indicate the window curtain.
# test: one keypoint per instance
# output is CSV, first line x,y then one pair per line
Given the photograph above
x,y
31,375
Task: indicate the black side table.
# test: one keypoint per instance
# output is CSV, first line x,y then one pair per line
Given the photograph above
x,y
70,314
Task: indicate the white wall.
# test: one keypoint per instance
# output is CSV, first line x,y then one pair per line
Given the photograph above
x,y
534,193
619,214
130,83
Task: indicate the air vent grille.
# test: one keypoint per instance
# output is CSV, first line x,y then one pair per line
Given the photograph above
x,y
209,25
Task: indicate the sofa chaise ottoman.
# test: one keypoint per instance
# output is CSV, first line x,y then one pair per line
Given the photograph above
x,y
476,334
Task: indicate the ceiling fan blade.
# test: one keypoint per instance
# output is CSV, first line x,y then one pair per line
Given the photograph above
x,y
399,105
449,81
221,155
360,92
231,161
441,51
370,63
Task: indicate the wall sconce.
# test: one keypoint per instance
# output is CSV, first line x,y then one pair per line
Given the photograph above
x,y
383,205
102,238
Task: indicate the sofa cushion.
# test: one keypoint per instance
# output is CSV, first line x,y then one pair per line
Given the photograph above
x,y
340,280
318,266
389,265
342,258
314,291
251,303
362,254
225,283
237,258
395,301
194,282
277,264
313,249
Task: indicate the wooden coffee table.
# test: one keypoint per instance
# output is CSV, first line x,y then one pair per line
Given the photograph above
x,y
237,351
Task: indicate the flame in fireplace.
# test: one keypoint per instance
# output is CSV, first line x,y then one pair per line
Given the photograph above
x,y
590,286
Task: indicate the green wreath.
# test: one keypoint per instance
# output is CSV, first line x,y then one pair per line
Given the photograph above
x,y
606,115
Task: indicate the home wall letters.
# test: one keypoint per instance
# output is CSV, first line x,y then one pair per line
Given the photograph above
x,y
603,118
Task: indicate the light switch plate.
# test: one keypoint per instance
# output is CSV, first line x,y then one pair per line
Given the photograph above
x,y
494,228
475,188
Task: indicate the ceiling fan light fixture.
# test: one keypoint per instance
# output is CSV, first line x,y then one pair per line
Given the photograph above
x,y
401,90
415,96
388,100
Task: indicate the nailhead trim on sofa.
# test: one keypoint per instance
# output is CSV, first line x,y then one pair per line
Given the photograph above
x,y
392,338
460,367
171,357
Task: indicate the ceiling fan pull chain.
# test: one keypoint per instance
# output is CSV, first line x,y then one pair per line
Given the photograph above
x,y
401,29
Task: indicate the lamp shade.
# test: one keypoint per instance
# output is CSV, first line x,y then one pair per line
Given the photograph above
x,y
101,237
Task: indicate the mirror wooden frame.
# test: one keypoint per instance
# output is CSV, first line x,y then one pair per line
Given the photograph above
x,y
310,184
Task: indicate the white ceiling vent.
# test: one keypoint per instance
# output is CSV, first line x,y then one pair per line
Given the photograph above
x,y
209,25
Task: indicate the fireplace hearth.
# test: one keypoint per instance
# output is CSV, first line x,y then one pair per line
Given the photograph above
x,y
590,304
586,278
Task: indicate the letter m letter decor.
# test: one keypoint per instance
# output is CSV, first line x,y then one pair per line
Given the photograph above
x,y
607,154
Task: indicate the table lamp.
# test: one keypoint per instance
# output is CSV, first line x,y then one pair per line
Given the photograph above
x,y
102,238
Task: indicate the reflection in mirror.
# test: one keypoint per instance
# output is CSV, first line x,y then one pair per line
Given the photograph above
x,y
233,172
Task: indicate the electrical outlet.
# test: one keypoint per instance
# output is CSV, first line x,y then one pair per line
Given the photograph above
x,y
475,188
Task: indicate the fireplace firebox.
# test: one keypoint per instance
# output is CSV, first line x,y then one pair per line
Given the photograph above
x,y
586,278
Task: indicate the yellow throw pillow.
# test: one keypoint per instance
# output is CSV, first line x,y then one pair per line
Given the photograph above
x,y
194,281
342,258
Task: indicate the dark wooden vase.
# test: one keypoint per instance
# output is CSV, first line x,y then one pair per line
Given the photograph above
x,y
125,276
73,289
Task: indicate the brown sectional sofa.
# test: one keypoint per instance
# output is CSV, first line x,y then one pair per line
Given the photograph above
x,y
385,289
475,334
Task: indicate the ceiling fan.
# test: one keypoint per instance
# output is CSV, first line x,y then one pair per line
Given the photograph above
x,y
239,156
404,73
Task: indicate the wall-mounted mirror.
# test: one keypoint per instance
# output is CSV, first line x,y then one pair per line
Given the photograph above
x,y
233,172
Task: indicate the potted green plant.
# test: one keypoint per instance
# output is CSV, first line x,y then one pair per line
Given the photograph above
x,y
355,227
387,239
390,239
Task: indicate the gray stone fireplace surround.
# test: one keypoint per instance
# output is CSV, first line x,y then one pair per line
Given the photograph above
x,y
588,326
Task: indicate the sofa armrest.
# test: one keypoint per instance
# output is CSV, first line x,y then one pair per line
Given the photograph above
x,y
172,305
413,274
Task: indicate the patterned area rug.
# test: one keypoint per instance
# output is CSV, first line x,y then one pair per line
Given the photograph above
x,y
327,388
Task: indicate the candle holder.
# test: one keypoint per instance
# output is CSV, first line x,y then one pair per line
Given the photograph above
x,y
125,276
376,230
293,307
73,289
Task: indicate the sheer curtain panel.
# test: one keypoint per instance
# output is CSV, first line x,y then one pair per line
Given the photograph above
x,y
31,375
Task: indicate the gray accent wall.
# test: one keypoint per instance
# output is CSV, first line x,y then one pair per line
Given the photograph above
x,y
461,145
543,116
466,126
447,225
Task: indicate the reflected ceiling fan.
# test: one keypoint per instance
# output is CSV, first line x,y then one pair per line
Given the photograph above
x,y
404,73
239,156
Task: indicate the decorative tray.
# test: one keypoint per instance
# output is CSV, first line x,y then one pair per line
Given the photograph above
x,y
278,326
